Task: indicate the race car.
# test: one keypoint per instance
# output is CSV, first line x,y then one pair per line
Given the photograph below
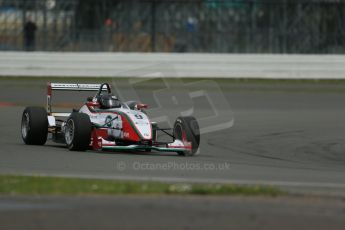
x,y
106,123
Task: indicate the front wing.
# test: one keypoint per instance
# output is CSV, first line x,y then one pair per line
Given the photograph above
x,y
176,146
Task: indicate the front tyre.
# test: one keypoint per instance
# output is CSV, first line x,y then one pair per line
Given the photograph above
x,y
187,130
78,132
34,126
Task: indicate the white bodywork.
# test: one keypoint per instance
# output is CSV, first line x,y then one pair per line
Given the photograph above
x,y
111,119
51,121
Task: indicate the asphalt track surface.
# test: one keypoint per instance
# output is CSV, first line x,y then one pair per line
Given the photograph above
x,y
162,212
289,135
284,134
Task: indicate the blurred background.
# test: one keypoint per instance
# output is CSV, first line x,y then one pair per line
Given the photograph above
x,y
212,26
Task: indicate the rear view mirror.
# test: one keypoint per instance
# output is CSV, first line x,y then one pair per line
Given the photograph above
x,y
141,106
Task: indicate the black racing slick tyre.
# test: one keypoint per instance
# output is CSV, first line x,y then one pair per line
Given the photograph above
x,y
78,132
187,129
34,126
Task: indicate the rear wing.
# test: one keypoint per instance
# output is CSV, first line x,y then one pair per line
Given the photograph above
x,y
67,87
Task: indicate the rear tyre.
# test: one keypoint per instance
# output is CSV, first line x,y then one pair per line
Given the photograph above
x,y
187,129
78,132
34,126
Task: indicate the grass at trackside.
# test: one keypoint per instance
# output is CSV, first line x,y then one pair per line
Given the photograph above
x,y
38,185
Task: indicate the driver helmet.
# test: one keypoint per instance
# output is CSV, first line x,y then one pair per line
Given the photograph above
x,y
108,101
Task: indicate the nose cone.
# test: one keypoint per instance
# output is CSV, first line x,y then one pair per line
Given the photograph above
x,y
140,126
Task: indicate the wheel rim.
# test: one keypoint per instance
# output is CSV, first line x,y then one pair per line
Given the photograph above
x,y
25,125
69,131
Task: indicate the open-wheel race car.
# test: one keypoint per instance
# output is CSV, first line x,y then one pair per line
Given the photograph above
x,y
106,123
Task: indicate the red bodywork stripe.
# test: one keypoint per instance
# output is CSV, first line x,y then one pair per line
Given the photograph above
x,y
6,104
97,135
49,89
129,132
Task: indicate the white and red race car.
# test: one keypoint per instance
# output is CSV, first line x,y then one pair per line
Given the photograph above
x,y
106,123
